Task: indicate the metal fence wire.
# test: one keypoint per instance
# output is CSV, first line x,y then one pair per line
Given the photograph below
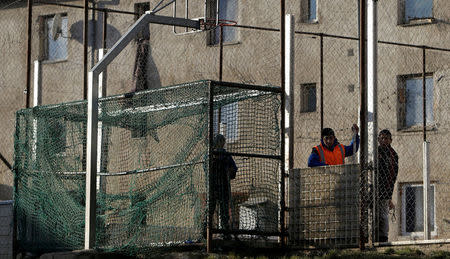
x,y
325,206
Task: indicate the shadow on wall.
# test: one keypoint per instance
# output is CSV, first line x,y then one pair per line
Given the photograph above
x,y
76,33
6,192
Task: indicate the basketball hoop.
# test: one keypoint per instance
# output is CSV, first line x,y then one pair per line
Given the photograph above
x,y
209,24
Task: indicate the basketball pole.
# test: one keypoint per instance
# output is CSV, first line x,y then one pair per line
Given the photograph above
x,y
92,111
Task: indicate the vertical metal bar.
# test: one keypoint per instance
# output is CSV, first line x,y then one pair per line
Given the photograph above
x,y
219,110
210,151
363,118
283,131
186,29
372,85
424,94
91,162
85,48
289,95
29,36
220,52
105,27
426,189
426,157
289,80
321,82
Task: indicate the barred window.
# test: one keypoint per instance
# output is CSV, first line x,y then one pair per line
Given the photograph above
x,y
416,10
229,123
412,209
308,97
54,37
410,97
308,10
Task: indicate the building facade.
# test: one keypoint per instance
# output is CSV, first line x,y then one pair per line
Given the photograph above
x,y
165,55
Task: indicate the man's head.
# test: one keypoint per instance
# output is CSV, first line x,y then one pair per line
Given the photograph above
x,y
385,138
219,141
328,137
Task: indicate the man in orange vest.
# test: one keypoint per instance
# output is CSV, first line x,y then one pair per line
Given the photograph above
x,y
330,151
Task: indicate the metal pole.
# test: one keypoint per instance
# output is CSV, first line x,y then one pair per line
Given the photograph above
x,y
283,131
85,48
321,82
91,162
424,94
29,36
220,53
372,84
426,156
210,152
289,94
363,118
289,79
105,26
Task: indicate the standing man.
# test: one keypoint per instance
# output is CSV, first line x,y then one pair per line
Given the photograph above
x,y
387,175
223,170
330,151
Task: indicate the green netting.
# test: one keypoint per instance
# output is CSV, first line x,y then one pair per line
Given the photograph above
x,y
153,167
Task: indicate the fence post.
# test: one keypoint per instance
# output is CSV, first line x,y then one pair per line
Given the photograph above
x,y
372,90
91,161
426,157
289,108
363,117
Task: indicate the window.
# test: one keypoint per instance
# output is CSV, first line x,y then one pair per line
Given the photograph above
x,y
308,97
309,11
228,10
412,209
54,42
417,10
229,124
411,101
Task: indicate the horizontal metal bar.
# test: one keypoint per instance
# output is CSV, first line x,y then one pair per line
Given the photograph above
x,y
267,88
246,232
415,242
105,10
153,169
249,155
341,37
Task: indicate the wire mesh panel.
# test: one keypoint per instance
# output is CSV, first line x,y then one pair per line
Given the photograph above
x,y
325,206
49,193
251,128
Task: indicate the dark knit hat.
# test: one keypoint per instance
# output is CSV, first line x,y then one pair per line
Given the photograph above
x,y
327,132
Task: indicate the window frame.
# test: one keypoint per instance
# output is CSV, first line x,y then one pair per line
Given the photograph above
x,y
402,103
45,41
234,108
304,98
403,210
403,20
305,10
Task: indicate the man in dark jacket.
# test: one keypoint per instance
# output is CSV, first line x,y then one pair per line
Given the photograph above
x,y
387,175
223,170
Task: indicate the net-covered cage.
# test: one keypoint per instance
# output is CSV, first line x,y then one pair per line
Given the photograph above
x,y
246,203
153,166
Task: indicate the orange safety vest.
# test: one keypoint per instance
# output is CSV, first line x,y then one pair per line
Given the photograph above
x,y
335,157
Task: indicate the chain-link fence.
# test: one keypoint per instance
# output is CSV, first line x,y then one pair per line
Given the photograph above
x,y
412,52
